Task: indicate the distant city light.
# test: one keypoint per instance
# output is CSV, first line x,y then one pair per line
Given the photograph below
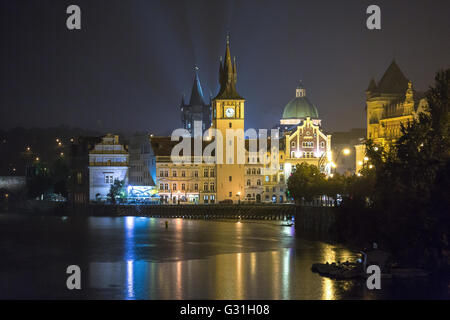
x,y
37,158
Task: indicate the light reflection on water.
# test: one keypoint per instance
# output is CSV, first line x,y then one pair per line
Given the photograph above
x,y
138,258
262,270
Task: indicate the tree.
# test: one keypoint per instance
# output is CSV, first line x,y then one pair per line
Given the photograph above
x,y
411,185
117,190
305,183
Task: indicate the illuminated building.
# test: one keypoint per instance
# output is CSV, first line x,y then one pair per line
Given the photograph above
x,y
142,168
233,180
390,103
108,161
196,109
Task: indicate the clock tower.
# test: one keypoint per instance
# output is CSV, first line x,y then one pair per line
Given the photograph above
x,y
228,116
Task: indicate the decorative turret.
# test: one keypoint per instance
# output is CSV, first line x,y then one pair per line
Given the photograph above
x,y
300,91
372,88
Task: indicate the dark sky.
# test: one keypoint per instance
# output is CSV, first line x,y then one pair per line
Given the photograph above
x,y
128,66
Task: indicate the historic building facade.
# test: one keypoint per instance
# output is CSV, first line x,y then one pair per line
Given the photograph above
x,y
390,103
262,175
108,161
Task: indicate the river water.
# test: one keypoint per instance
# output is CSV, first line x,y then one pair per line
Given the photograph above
x,y
139,258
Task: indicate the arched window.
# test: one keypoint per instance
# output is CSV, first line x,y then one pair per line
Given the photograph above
x,y
258,182
248,182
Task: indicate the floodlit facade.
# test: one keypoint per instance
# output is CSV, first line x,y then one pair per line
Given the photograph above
x,y
259,176
108,161
390,103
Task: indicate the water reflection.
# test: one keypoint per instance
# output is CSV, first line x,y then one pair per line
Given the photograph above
x,y
257,269
138,258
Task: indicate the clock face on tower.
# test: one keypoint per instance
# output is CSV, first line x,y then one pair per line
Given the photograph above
x,y
229,112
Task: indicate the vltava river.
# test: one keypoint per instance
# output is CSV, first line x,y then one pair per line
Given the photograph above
x,y
138,258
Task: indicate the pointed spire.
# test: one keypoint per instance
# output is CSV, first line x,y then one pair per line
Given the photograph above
x,y
197,92
228,76
372,86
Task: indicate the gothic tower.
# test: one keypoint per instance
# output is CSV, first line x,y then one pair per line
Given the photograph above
x,y
228,117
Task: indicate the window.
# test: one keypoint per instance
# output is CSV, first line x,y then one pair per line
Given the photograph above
x,y
258,182
212,173
212,198
230,125
196,187
166,186
322,144
174,187
196,174
161,186
174,173
205,173
253,171
258,171
267,179
230,178
109,178
183,186
161,173
205,199
248,182
183,173
205,186
79,177
248,171
231,194
211,186
166,173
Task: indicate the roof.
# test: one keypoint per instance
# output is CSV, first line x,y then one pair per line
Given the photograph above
x,y
228,77
393,81
197,92
300,108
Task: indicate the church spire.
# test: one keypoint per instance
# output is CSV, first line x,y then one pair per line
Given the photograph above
x,y
228,76
197,92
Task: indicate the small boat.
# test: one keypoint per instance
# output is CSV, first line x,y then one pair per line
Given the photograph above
x,y
287,225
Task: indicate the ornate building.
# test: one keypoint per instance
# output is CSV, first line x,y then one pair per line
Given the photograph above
x,y
196,109
262,175
302,129
390,103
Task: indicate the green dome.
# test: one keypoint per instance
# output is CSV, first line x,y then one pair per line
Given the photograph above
x,y
300,108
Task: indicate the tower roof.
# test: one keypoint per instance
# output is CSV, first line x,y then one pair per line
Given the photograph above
x,y
372,86
197,92
228,77
393,80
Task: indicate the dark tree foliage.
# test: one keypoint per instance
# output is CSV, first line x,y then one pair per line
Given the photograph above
x,y
411,188
117,191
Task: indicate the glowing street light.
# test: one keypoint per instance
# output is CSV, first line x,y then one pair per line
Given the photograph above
x,y
366,159
346,151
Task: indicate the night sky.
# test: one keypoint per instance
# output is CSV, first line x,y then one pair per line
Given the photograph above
x,y
129,65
